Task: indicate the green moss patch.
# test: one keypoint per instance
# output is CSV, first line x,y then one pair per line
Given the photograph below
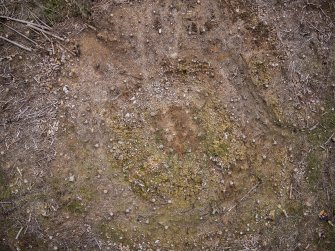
x,y
313,169
76,207
324,129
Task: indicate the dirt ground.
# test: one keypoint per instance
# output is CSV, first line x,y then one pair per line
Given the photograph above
x,y
167,125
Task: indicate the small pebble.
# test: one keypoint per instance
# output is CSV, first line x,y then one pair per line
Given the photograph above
x,y
308,204
66,89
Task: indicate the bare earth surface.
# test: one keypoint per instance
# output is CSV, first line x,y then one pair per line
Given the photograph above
x,y
172,125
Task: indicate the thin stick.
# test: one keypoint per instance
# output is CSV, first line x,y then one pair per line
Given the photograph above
x,y
17,44
331,136
18,233
115,98
25,22
252,189
53,48
46,32
20,34
98,243
129,75
19,171
92,27
63,47
39,20
290,196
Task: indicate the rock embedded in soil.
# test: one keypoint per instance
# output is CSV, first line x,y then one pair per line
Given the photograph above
x,y
272,215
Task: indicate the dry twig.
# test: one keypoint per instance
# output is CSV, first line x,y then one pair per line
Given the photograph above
x,y
16,44
331,136
18,233
39,20
26,22
252,189
45,32
20,34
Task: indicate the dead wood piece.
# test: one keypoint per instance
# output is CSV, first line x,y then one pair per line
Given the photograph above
x,y
25,22
18,233
16,44
16,31
45,32
252,189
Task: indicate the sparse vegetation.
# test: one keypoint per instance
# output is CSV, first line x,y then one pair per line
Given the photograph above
x,y
176,125
324,128
56,10
75,207
314,165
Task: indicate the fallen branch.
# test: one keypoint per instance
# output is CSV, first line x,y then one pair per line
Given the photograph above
x,y
45,32
17,44
20,34
39,20
25,22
